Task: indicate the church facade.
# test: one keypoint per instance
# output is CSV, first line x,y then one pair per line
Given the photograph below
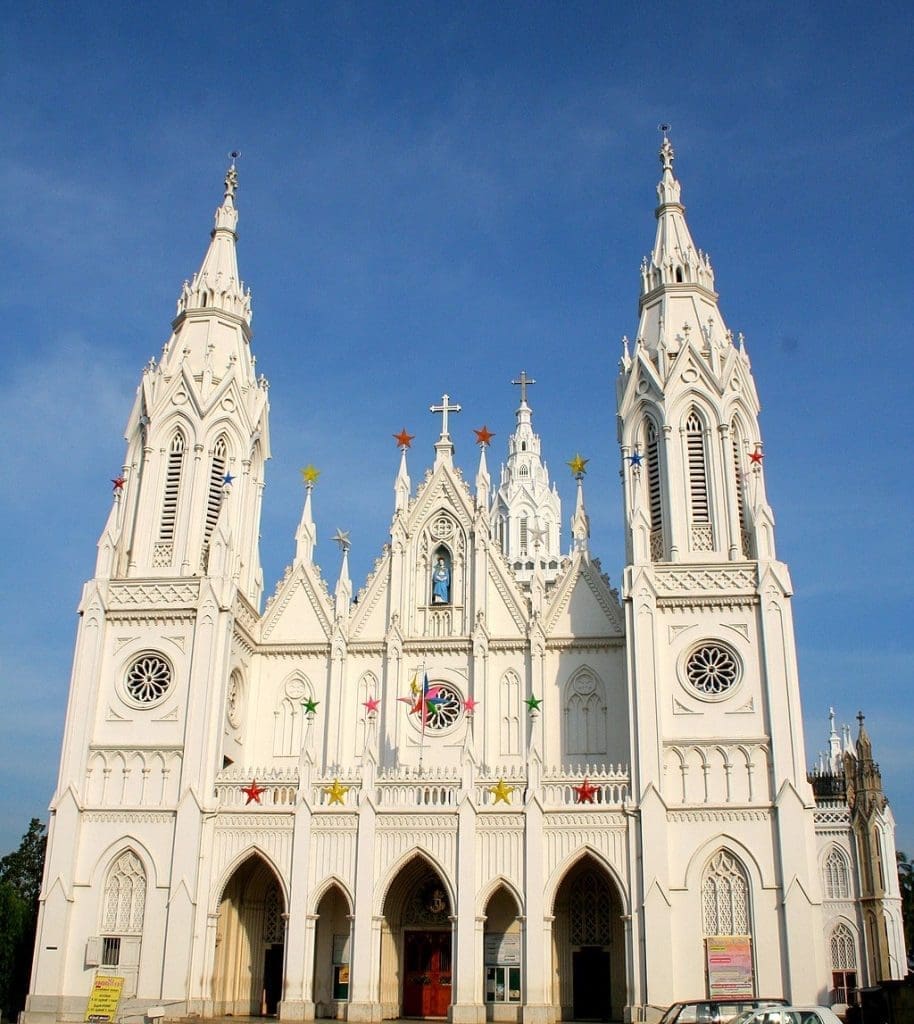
x,y
490,786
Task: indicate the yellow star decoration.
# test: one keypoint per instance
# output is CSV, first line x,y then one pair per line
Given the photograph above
x,y
310,474
502,791
578,464
337,791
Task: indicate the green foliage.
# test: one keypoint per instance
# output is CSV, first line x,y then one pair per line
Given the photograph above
x,y
20,884
906,884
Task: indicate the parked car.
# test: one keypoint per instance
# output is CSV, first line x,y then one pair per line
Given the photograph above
x,y
790,1015
713,1011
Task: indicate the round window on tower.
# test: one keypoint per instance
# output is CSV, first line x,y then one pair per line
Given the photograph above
x,y
712,670
148,680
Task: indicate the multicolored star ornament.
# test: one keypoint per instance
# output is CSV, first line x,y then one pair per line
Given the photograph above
x,y
585,792
403,439
253,792
756,457
533,703
635,459
470,705
484,435
228,480
337,792
502,791
310,474
578,464
309,706
118,482
371,705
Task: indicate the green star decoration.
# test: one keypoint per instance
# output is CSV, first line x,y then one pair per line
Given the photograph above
x,y
309,706
533,703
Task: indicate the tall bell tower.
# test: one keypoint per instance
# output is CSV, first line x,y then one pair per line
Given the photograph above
x,y
719,765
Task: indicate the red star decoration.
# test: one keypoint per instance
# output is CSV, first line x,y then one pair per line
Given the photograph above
x,y
484,435
585,792
469,705
403,439
756,457
253,792
118,482
372,704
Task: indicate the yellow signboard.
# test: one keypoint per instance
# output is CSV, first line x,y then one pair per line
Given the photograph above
x,y
104,999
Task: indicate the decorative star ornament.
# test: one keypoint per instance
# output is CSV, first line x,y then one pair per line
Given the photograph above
x,y
371,705
635,459
253,792
756,457
533,703
310,474
502,791
403,439
228,480
342,538
337,792
585,792
538,535
470,705
309,706
578,464
484,435
118,482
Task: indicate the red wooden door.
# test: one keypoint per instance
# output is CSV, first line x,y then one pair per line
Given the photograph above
x,y
427,979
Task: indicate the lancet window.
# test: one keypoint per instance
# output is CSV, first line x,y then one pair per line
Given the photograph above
x,y
585,715
699,503
173,467
837,883
843,952
655,498
509,714
739,487
725,897
125,896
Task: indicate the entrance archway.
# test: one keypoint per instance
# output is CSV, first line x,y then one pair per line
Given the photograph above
x,y
588,945
250,933
331,953
416,944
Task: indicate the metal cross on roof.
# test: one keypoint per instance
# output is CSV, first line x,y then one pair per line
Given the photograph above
x,y
523,382
444,409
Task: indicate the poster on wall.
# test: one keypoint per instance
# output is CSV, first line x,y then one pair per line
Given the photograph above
x,y
104,999
729,959
502,948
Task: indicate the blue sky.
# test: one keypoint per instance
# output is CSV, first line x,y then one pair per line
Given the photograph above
x,y
433,197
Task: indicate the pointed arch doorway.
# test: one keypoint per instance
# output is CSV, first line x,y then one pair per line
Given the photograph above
x,y
589,945
250,937
416,944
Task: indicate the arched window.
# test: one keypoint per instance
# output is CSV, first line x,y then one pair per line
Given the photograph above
x,y
585,715
173,467
122,920
725,897
287,717
216,486
843,952
837,883
699,503
655,498
739,485
524,534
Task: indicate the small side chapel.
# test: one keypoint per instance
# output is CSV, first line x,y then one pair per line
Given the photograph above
x,y
299,808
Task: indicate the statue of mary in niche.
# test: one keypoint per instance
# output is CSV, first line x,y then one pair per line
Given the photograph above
x,y
441,582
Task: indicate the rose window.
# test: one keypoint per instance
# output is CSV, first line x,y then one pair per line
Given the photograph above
x,y
148,679
443,706
712,669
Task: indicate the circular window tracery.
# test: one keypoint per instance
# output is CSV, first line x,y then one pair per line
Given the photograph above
x,y
148,679
713,669
444,705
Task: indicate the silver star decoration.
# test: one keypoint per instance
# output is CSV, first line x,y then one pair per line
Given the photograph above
x,y
538,534
342,538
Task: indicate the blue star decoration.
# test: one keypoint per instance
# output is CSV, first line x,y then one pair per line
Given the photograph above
x,y
228,480
635,459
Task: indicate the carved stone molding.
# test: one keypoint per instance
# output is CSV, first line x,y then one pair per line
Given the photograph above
x,y
704,578
141,817
165,594
702,815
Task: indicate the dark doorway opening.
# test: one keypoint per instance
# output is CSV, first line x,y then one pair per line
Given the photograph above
x,y
590,981
272,979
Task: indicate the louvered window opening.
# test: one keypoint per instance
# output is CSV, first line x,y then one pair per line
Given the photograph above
x,y
216,486
523,535
738,471
698,477
653,477
172,485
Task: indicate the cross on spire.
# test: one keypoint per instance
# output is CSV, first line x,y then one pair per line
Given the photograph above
x,y
444,409
523,382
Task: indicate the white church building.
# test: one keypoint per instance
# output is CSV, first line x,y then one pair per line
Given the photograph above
x,y
491,786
